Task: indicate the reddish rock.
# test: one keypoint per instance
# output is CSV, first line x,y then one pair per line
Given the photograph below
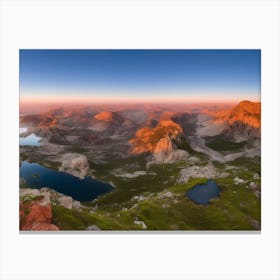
x,y
243,121
107,116
246,112
36,215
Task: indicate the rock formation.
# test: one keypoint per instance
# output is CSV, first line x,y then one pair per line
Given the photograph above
x,y
75,164
243,121
161,141
168,157
36,207
247,112
167,152
35,210
156,139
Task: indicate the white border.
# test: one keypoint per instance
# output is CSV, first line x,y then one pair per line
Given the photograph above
x,y
140,24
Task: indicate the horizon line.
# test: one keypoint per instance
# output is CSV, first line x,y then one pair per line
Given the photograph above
x,y
200,100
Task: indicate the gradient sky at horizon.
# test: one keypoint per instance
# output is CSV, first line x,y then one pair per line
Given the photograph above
x,y
142,75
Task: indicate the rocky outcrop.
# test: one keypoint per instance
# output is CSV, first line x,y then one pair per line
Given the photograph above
x,y
168,157
159,138
166,151
249,113
65,201
35,210
161,141
56,198
243,121
207,171
75,164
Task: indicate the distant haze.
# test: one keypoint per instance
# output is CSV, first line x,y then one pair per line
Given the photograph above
x,y
33,108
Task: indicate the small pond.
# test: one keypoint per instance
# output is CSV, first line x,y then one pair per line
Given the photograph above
x,y
202,193
37,176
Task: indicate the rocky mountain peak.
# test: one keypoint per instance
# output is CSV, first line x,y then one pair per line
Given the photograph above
x,y
246,112
107,116
243,120
157,139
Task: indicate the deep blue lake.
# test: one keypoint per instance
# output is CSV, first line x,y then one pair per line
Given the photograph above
x,y
36,176
202,193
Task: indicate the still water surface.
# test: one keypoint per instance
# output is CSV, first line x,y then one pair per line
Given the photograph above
x,y
202,193
37,176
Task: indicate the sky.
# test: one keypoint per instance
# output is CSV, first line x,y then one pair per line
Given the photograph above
x,y
108,76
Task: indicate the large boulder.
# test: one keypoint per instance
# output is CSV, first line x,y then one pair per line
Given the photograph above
x,y
75,164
